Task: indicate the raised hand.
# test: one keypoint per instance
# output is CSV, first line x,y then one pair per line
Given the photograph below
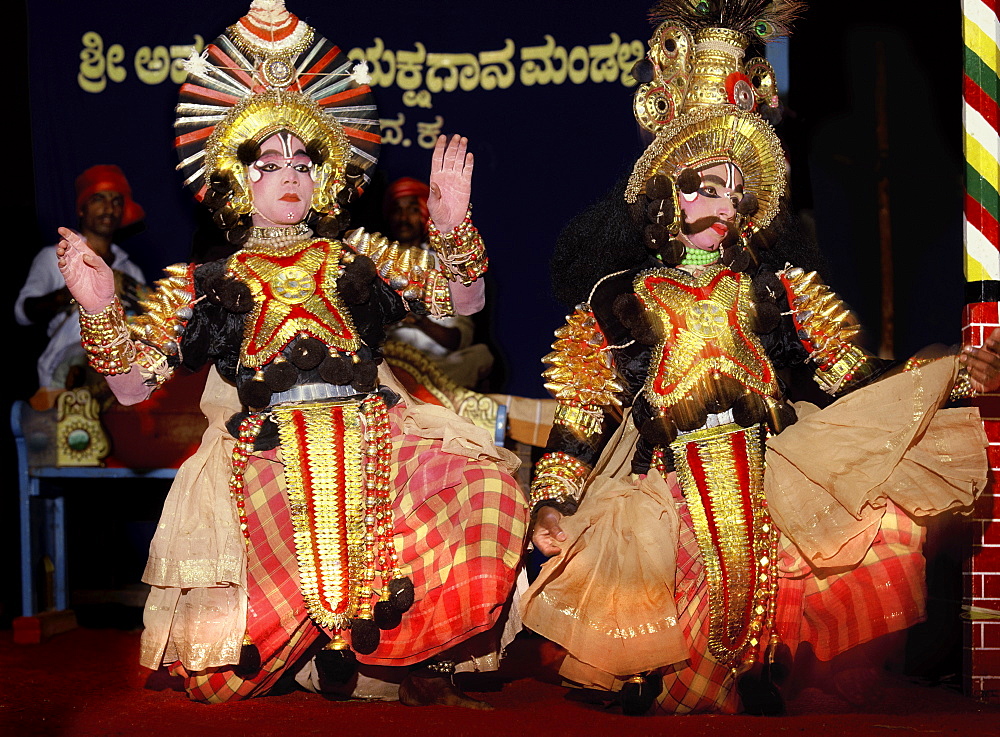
x,y
983,363
87,275
451,182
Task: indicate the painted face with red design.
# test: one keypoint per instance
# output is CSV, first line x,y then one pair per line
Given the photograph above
x,y
709,213
281,181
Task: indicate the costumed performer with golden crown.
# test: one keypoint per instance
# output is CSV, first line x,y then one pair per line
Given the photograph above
x,y
324,509
680,565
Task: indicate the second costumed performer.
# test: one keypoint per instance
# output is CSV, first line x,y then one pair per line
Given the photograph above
x,y
323,507
681,564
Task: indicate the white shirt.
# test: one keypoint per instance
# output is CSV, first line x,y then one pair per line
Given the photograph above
x,y
44,277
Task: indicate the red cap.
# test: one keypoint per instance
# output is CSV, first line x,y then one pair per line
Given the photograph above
x,y
407,187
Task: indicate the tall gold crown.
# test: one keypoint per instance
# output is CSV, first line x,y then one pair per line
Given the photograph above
x,y
701,101
696,55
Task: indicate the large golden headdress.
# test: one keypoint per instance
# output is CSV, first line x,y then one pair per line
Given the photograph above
x,y
269,72
701,100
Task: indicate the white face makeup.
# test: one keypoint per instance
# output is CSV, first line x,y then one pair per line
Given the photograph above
x,y
709,210
281,181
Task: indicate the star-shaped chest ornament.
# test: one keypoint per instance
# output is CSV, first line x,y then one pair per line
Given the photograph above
x,y
294,291
705,328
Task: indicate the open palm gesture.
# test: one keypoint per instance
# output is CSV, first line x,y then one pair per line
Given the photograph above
x,y
451,182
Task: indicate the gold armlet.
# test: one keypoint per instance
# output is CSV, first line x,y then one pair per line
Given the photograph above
x,y
105,337
166,313
412,272
437,295
461,251
846,365
559,478
827,330
963,384
581,374
585,421
153,365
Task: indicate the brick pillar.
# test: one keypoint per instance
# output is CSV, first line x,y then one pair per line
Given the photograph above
x,y
981,677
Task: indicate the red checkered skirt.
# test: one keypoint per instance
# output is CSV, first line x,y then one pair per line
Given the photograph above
x,y
833,612
459,526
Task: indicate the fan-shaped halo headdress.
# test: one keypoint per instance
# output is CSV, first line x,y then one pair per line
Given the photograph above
x,y
269,72
716,134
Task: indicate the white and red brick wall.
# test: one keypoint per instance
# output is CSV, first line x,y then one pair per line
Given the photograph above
x,y
982,565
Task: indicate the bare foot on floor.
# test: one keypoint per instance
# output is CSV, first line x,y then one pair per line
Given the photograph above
x,y
420,691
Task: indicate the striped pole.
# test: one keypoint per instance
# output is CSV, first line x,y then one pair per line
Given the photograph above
x,y
981,32
982,144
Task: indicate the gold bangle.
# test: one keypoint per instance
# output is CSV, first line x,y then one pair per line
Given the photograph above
x,y
460,251
558,477
105,337
963,386
963,383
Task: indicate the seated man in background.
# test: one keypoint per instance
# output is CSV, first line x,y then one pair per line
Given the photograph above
x,y
446,341
104,205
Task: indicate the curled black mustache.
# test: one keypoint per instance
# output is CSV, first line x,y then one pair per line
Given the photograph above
x,y
697,226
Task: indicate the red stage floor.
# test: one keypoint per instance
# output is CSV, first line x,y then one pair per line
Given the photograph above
x,y
88,682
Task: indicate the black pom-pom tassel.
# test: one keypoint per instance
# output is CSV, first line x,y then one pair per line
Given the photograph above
x,y
656,236
689,181
316,151
736,258
659,430
254,393
280,376
327,226
749,409
658,187
767,316
238,234
386,616
234,295
354,286
336,370
629,310
364,636
689,414
642,71
401,594
748,205
660,211
307,353
335,667
672,253
365,377
767,287
250,663
225,218
248,152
